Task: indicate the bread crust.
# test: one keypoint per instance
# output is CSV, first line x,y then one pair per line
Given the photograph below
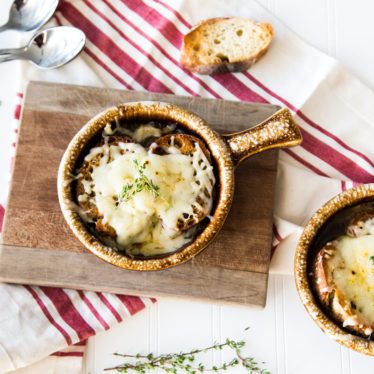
x,y
184,142
189,62
358,225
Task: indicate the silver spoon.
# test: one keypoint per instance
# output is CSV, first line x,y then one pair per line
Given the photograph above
x,y
27,15
49,48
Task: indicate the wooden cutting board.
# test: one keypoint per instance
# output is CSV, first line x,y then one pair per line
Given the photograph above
x,y
39,248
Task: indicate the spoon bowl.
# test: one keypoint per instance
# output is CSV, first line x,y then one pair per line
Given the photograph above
x,y
28,15
49,48
56,46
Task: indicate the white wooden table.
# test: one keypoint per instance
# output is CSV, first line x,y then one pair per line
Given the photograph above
x,y
282,334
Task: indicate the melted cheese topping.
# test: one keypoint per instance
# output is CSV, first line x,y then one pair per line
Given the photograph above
x,y
146,224
352,270
140,133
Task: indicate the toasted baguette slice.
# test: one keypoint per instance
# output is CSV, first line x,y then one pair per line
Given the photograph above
x,y
341,309
362,224
88,203
221,45
343,282
187,145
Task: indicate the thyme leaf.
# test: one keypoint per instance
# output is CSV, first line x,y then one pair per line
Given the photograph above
x,y
141,183
186,361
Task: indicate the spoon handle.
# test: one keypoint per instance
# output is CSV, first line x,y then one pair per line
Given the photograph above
x,y
11,51
12,54
4,27
10,57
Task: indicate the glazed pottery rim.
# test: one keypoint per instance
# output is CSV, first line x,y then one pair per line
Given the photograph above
x,y
350,197
148,110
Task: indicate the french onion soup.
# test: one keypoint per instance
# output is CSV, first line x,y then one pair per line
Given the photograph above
x,y
145,188
342,270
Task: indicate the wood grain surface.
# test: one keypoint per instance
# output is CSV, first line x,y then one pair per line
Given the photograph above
x,y
39,248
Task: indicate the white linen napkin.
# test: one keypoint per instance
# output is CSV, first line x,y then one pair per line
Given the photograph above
x,y
135,45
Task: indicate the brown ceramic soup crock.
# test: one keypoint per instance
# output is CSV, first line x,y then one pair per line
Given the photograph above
x,y
227,152
329,222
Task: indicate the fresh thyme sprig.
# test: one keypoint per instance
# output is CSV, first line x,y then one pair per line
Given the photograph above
x,y
141,183
185,362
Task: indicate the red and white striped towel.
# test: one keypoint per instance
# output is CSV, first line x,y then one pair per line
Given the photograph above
x,y
135,45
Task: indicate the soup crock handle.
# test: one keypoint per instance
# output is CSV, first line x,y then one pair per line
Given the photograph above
x,y
279,130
